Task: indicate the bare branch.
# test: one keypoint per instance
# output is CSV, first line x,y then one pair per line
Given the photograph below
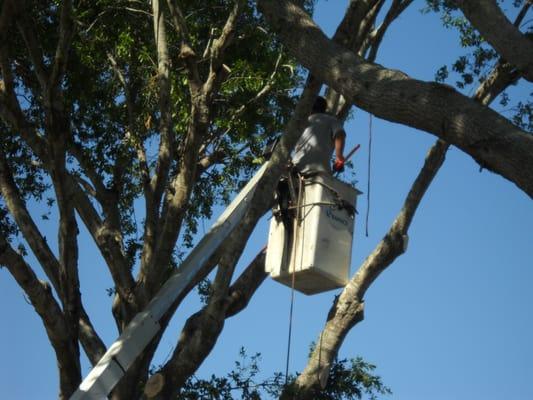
x,y
376,36
217,49
66,32
348,309
166,146
179,20
92,344
501,77
57,329
108,243
351,34
521,15
26,224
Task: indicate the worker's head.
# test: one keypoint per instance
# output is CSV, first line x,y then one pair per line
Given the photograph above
x,y
320,105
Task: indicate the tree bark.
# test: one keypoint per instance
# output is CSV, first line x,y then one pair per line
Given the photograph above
x,y
349,307
490,139
487,17
54,320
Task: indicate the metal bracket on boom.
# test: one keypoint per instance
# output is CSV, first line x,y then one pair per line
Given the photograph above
x,y
142,329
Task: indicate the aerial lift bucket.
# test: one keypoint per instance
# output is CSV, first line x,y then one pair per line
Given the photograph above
x,y
317,247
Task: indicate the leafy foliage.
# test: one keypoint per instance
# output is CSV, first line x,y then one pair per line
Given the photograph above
x,y
473,67
348,379
111,68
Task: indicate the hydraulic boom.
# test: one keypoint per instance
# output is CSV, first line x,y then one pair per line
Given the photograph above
x,y
140,331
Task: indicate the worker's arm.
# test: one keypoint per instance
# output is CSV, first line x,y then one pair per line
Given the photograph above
x,y
340,139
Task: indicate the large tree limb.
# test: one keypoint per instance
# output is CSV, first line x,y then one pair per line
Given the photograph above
x,y
157,257
149,269
32,235
93,345
489,138
166,145
107,234
502,76
487,17
67,236
372,40
351,34
234,244
180,188
51,315
348,309
110,247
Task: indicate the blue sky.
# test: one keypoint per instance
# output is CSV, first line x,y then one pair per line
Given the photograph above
x,y
450,319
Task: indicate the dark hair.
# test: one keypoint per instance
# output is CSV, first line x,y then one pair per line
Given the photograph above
x,y
320,105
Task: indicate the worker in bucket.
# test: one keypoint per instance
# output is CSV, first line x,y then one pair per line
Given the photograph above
x,y
323,136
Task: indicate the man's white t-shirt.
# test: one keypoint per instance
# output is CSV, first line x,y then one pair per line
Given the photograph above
x,y
313,150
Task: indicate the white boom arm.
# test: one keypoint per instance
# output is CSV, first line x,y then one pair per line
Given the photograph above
x,y
140,331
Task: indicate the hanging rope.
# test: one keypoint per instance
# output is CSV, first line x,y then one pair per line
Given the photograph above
x,y
368,176
295,231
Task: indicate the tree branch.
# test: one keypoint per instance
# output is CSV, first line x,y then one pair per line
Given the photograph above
x,y
110,247
521,15
349,307
487,17
132,126
489,138
376,36
501,77
187,54
165,153
25,27
66,32
180,188
220,44
93,345
26,224
166,146
53,319
201,331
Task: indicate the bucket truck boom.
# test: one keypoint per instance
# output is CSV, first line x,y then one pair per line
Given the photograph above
x,y
142,329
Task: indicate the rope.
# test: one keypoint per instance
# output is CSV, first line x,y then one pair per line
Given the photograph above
x,y
295,231
368,176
